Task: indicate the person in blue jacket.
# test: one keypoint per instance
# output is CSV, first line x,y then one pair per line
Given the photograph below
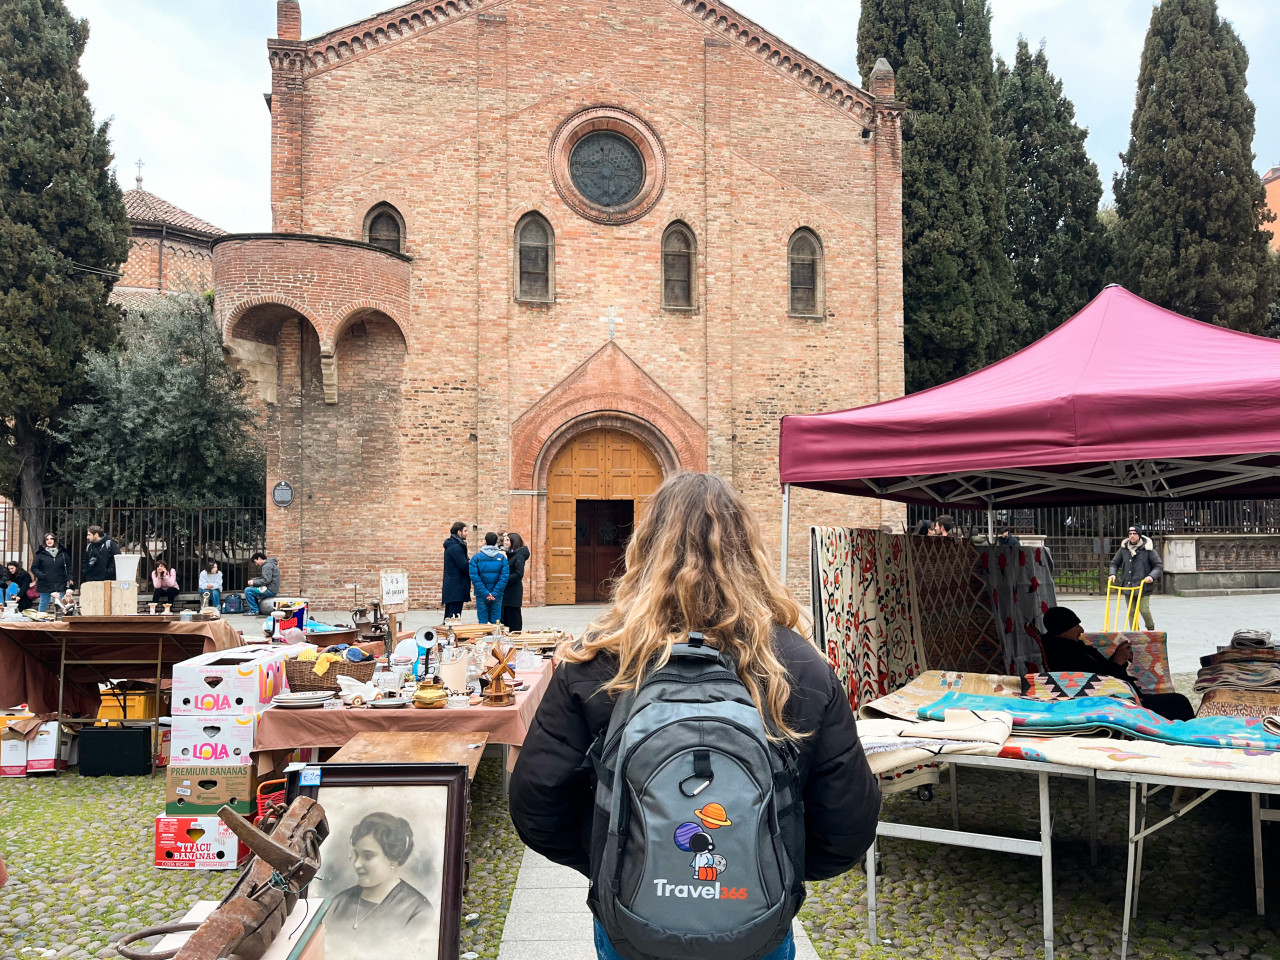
x,y
489,574
457,577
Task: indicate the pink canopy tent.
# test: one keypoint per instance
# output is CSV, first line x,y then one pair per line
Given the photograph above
x,y
1124,402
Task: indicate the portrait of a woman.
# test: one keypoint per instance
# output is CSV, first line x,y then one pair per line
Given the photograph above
x,y
382,907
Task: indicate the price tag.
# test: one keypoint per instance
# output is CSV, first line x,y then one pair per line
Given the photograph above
x,y
334,704
310,777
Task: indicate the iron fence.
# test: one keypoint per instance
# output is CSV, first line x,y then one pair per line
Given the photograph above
x,y
1083,539
183,537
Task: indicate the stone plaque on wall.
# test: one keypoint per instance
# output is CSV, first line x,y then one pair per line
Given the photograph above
x,y
1238,553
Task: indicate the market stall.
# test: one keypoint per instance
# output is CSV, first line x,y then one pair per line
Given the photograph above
x,y
1125,402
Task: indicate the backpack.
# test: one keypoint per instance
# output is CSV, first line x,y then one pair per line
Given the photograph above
x,y
698,841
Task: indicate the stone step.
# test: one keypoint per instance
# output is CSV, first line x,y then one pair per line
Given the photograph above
x,y
1229,592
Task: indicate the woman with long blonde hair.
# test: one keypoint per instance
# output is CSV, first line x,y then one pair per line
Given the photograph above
x,y
697,563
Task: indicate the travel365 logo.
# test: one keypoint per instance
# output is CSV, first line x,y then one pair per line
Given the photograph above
x,y
708,866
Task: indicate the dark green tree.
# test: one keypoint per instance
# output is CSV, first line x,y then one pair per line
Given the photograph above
x,y
167,420
957,283
1191,234
63,233
1056,244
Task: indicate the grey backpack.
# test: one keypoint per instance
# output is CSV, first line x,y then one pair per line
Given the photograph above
x,y
698,841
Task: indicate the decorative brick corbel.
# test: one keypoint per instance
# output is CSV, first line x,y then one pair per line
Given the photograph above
x,y
329,374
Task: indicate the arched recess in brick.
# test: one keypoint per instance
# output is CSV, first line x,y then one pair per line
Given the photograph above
x,y
252,341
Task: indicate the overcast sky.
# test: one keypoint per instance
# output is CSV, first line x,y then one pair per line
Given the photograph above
x,y
182,82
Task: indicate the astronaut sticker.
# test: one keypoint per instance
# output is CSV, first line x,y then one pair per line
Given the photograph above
x,y
695,838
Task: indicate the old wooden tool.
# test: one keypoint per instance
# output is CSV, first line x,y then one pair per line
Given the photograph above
x,y
252,914
499,693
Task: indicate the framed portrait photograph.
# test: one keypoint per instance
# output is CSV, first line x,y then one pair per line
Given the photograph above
x,y
392,867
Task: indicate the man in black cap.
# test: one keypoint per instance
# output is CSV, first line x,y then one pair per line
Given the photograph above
x,y
1065,650
1136,562
1005,537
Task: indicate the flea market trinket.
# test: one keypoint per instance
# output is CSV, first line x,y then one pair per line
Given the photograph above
x,y
500,693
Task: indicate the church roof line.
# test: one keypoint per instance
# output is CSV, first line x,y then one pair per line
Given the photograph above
x,y
146,209
410,19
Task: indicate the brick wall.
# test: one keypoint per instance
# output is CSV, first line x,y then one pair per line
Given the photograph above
x,y
450,119
185,265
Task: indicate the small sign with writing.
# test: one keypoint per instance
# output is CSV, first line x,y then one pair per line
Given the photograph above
x,y
334,704
282,494
309,777
395,590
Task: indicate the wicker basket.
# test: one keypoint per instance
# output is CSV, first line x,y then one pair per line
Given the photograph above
x,y
302,674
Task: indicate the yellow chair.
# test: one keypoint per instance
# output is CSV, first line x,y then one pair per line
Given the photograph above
x,y
1133,597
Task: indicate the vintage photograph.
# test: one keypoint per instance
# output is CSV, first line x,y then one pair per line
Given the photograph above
x,y
385,866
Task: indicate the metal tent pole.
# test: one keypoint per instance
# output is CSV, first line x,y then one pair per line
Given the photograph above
x,y
786,526
991,523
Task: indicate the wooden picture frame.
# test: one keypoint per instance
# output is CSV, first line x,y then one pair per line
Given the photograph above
x,y
370,807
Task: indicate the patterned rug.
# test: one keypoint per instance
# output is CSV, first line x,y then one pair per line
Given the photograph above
x,y
1158,759
1019,589
1229,702
1091,715
957,629
906,704
1150,666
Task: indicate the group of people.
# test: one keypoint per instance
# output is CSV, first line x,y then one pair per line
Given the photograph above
x,y
495,571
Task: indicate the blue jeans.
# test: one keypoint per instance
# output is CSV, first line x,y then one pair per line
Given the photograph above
x,y
489,611
252,595
605,951
215,598
45,598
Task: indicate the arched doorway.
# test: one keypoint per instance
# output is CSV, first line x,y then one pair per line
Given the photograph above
x,y
598,485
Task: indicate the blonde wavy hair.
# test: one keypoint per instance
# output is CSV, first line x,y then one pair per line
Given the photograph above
x,y
697,561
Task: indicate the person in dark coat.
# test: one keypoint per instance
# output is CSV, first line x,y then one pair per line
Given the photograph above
x,y
17,581
670,588
513,597
457,574
1005,537
100,554
1066,651
1137,562
52,570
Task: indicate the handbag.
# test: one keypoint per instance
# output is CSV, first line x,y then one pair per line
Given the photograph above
x,y
33,591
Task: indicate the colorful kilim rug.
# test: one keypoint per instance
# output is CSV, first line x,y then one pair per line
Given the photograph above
x,y
957,629
1018,585
1157,759
1241,655
1068,684
1231,702
1088,715
905,704
1150,665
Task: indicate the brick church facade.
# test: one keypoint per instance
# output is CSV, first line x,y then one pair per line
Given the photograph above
x,y
530,257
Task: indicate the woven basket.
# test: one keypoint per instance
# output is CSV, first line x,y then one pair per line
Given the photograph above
x,y
302,674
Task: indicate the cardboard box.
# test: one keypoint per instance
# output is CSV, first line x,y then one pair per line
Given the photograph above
x,y
49,751
199,790
13,755
196,843
126,706
166,742
238,682
109,598
216,741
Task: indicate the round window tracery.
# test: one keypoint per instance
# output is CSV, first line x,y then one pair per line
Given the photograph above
x,y
608,165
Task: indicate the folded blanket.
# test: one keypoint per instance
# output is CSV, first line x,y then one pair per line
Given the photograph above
x,y
892,744
1250,675
1037,717
1251,639
1271,725
1159,759
1242,655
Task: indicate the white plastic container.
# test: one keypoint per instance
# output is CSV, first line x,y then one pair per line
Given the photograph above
x,y
127,566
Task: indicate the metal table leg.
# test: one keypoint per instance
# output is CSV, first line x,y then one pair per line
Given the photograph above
x,y
1046,863
1142,839
1128,877
1255,809
1093,821
955,795
57,727
872,930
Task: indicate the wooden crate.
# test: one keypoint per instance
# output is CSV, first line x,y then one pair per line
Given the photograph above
x,y
109,598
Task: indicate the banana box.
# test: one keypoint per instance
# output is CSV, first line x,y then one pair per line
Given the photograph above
x,y
213,741
238,682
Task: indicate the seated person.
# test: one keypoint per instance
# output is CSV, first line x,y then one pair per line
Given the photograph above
x,y
1065,651
264,586
165,582
211,585
17,585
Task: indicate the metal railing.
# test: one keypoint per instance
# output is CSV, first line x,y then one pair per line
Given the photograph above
x,y
1083,539
183,537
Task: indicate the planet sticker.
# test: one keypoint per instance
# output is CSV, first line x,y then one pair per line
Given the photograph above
x,y
713,816
684,833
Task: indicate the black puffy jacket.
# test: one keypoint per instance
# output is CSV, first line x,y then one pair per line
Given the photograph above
x,y
52,573
552,791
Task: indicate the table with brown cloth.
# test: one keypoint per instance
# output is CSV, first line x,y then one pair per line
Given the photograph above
x,y
282,730
31,656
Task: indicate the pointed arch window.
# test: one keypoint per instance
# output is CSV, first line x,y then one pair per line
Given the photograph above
x,y
384,227
679,268
804,258
535,259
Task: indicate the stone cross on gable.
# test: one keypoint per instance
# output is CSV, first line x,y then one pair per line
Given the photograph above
x,y
139,164
612,319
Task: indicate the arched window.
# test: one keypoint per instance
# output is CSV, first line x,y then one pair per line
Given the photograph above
x,y
535,259
804,256
384,227
679,278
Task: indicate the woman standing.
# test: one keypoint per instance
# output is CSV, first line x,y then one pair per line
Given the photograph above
x,y
165,582
697,562
513,598
52,570
18,583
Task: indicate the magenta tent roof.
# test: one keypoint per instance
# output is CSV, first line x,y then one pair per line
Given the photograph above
x,y
1125,401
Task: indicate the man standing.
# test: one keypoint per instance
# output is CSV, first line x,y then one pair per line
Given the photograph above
x,y
1005,537
99,557
1137,563
265,585
457,576
489,573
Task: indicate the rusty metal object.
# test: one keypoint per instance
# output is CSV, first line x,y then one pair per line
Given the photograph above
x,y
252,914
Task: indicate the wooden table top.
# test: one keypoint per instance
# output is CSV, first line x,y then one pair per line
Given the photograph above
x,y
414,747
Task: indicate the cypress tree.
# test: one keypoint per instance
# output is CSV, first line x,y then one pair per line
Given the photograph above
x,y
956,279
1056,245
1191,234
63,232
